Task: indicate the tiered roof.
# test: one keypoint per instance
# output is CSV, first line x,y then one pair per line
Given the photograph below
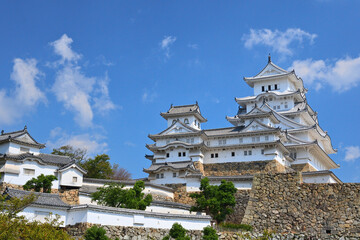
x,y
21,137
184,110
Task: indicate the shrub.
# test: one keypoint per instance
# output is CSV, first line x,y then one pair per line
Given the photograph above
x,y
210,234
115,195
96,233
177,232
42,182
236,226
216,201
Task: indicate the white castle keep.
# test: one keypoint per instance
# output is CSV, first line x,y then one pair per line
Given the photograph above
x,y
275,126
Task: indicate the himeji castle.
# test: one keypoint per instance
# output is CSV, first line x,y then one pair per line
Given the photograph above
x,y
275,130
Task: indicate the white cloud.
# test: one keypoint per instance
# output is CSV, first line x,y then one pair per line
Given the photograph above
x,y
26,94
166,43
94,144
62,47
279,42
102,102
340,74
352,153
76,90
73,88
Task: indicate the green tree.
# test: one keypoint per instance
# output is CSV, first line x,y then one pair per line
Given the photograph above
x,y
99,167
78,154
177,232
42,182
209,233
114,195
13,227
216,201
96,233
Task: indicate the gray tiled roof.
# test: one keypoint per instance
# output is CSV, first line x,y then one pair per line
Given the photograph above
x,y
174,165
46,199
46,158
71,163
222,131
14,136
170,204
184,109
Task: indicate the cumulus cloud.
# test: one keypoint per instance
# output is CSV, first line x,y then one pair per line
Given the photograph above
x,y
166,43
102,101
352,153
26,94
62,47
341,74
94,144
278,41
76,90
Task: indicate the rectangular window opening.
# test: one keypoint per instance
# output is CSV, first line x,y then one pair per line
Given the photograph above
x,y
179,154
263,88
167,155
28,171
24,149
245,153
250,152
184,154
269,87
216,155
174,174
233,154
74,179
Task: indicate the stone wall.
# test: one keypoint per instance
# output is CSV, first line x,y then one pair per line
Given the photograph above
x,y
242,199
121,232
305,167
243,168
182,196
140,233
70,196
282,202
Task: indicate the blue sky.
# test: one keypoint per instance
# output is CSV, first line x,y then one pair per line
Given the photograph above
x,y
97,74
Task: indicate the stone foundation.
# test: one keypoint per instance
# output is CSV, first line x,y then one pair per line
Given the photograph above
x,y
242,199
303,167
69,196
282,202
244,168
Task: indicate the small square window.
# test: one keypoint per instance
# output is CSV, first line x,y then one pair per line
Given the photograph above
x,y
74,179
179,154
167,155
245,153
29,172
212,155
24,150
174,174
216,155
184,154
233,154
